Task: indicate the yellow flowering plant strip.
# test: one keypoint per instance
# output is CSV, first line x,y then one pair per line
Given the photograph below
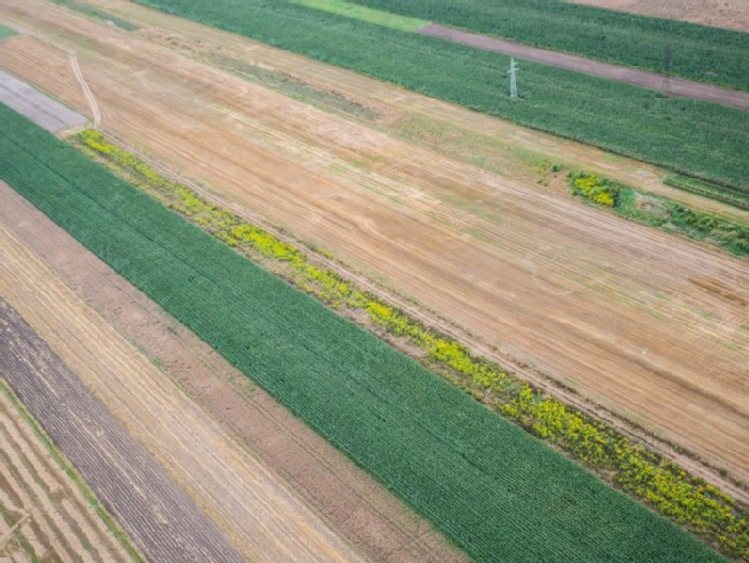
x,y
661,484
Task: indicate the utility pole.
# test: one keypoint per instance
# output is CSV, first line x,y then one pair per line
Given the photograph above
x,y
667,67
513,81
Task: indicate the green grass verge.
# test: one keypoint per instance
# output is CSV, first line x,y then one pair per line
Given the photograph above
x,y
74,476
737,198
646,476
5,32
690,137
661,212
345,8
493,489
702,53
97,13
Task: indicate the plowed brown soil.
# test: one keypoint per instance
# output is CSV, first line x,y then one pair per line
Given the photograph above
x,y
251,506
649,325
731,14
43,513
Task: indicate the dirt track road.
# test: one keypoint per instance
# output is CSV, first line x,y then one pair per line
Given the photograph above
x,y
675,86
649,325
251,506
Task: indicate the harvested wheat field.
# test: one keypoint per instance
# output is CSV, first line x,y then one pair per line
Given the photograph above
x,y
45,514
731,14
648,325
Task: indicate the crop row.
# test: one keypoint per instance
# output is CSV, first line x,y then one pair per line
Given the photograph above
x,y
688,136
492,488
697,52
647,476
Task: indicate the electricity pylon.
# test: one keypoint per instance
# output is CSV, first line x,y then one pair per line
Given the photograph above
x,y
513,81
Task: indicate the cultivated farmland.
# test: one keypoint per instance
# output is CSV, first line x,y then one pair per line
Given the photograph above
x,y
434,446
570,322
46,513
617,117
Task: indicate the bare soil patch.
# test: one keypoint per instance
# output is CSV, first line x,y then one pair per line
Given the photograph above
x,y
653,81
731,14
153,510
551,285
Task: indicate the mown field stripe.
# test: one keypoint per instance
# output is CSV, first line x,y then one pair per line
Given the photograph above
x,y
490,487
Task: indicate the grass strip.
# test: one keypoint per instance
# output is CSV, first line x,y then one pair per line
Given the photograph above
x,y
5,32
378,17
74,476
697,52
737,198
493,489
686,136
616,458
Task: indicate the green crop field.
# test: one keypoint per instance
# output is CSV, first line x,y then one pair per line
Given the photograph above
x,y
695,138
490,487
706,54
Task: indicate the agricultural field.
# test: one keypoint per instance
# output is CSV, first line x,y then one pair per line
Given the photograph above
x,y
432,445
336,319
701,53
730,14
617,117
46,512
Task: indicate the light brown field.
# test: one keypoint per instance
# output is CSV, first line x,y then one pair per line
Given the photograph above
x,y
731,14
43,513
251,506
651,326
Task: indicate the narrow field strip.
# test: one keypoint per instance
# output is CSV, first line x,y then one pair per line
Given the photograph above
x,y
194,456
57,511
155,513
453,460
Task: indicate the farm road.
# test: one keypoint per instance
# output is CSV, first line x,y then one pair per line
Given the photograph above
x,y
149,506
650,80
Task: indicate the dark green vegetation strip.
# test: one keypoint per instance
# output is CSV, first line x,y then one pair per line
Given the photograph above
x,y
706,54
490,487
687,136
97,13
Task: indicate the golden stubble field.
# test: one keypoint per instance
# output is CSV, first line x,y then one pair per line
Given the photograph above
x,y
648,325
